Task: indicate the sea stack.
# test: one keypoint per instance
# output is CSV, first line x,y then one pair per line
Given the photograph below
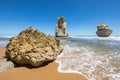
x,y
32,47
61,27
103,30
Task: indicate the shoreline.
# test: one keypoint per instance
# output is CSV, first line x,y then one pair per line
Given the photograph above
x,y
67,72
48,72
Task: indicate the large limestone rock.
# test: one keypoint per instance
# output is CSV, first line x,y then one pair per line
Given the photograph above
x,y
61,28
33,48
103,30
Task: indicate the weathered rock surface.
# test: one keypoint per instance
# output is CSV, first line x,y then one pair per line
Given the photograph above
x,y
103,30
61,28
5,65
33,48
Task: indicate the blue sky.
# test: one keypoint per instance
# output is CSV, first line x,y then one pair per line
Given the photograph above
x,y
82,16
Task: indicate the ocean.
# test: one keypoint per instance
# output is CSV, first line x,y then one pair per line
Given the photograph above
x,y
97,58
4,40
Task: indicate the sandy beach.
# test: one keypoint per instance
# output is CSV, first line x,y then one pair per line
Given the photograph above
x,y
48,72
2,52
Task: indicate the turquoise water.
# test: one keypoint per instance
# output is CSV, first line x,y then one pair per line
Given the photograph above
x,y
94,57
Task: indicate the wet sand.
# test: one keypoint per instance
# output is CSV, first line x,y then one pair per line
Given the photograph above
x,y
48,72
2,52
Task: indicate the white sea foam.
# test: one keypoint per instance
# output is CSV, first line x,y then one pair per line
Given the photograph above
x,y
6,36
115,38
3,42
98,64
69,71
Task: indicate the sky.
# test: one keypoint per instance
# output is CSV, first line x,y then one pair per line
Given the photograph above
x,y
82,16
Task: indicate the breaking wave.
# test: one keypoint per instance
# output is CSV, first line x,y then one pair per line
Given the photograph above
x,y
96,58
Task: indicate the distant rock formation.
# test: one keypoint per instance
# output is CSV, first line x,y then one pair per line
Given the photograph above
x,y
103,30
32,47
61,28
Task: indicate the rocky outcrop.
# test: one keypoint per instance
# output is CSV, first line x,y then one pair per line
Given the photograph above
x,y
32,47
61,28
103,30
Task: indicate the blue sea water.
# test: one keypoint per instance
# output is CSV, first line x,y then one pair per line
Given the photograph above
x,y
4,40
97,58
